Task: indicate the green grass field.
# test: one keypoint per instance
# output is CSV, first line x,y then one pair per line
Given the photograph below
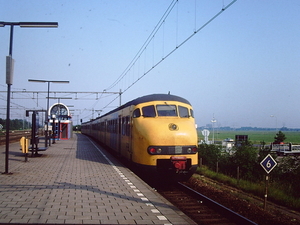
x,y
254,136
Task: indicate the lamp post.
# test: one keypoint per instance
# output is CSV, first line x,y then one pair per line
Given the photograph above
x,y
47,114
9,67
213,121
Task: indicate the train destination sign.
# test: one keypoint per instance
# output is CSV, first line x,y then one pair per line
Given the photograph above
x,y
268,163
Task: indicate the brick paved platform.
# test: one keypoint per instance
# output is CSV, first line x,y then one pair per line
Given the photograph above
x,y
77,182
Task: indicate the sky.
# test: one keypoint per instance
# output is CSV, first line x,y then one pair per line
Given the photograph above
x,y
241,69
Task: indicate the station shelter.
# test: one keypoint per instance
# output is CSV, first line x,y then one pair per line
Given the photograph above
x,y
61,125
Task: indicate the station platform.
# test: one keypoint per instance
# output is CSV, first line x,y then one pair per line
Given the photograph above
x,y
75,181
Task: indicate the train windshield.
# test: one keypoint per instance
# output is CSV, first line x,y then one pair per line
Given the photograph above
x,y
166,110
149,111
183,112
192,113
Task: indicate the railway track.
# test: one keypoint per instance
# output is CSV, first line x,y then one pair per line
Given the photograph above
x,y
200,208
14,136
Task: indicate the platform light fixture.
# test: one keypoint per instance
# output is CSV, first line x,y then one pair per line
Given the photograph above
x,y
9,69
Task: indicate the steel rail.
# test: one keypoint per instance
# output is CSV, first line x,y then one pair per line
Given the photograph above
x,y
228,213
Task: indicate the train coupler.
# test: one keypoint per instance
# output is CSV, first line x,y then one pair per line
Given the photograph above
x,y
179,163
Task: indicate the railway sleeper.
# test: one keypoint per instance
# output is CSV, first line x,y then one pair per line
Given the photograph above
x,y
232,216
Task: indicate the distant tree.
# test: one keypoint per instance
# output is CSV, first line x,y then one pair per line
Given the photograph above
x,y
280,137
210,155
245,157
287,173
15,124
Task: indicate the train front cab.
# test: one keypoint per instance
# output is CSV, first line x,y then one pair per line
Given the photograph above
x,y
164,138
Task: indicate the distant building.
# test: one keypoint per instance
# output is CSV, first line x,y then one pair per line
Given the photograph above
x,y
239,139
228,144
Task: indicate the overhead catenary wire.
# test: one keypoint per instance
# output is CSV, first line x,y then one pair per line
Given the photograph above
x,y
182,43
140,52
143,70
151,37
144,46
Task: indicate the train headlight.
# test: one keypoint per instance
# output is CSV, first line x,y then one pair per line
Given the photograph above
x,y
189,150
154,150
173,126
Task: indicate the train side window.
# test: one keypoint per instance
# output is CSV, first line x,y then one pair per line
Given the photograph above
x,y
183,112
123,126
109,126
115,124
166,110
192,113
127,126
149,111
136,113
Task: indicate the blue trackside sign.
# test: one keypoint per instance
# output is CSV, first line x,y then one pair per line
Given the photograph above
x,y
268,163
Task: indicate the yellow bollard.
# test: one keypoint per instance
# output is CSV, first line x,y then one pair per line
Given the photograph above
x,y
24,142
26,145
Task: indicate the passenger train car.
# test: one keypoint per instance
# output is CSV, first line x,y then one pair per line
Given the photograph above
x,y
156,133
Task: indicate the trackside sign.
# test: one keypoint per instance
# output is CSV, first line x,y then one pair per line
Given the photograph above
x,y
268,163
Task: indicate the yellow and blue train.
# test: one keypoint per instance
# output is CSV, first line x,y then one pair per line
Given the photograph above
x,y
156,133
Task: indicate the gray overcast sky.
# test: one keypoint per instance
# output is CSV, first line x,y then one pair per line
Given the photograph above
x,y
241,68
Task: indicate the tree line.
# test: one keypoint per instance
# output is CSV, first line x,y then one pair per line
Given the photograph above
x,y
16,124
